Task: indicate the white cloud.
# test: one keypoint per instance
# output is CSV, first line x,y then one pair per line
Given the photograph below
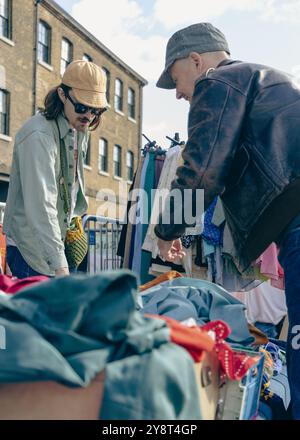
x,y
195,11
114,17
156,131
121,23
282,11
122,26
118,26
163,116
201,10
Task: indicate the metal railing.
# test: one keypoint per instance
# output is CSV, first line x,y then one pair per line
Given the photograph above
x,y
103,237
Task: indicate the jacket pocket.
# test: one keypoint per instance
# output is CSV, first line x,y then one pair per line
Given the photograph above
x,y
250,189
239,166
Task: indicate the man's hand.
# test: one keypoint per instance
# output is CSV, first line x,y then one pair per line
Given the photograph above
x,y
62,271
170,250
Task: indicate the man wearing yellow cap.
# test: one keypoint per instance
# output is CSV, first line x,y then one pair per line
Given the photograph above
x,y
47,183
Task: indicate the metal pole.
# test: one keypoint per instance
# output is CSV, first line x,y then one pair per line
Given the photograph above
x,y
35,55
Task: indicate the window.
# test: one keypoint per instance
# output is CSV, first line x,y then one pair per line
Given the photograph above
x,y
87,57
131,103
117,161
66,54
4,112
87,157
118,95
5,18
129,163
107,74
44,40
103,155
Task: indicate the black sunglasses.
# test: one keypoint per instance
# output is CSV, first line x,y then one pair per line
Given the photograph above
x,y
82,108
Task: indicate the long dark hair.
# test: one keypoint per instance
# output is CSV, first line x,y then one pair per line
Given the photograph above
x,y
53,106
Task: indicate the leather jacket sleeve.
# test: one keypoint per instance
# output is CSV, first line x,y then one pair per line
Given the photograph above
x,y
215,122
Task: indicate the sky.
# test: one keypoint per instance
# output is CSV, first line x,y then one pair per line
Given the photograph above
x,y
137,31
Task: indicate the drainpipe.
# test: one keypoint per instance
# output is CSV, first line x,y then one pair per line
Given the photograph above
x,y
141,89
35,55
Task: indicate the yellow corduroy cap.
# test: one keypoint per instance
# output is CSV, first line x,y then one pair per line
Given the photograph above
x,y
88,83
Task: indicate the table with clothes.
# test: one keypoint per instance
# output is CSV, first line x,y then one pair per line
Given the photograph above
x,y
148,340
202,301
69,329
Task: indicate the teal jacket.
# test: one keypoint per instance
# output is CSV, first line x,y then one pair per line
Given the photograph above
x,y
34,216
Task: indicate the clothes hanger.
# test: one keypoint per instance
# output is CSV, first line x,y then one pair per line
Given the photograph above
x,y
175,141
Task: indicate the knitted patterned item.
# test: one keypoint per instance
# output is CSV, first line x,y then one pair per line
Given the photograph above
x,y
76,245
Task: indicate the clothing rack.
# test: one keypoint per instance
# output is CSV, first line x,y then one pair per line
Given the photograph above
x,y
152,147
175,141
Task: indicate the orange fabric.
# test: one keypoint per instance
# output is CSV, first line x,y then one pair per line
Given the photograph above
x,y
193,339
171,275
260,337
196,340
2,249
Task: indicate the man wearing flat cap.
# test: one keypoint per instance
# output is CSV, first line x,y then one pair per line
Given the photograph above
x,y
46,187
243,145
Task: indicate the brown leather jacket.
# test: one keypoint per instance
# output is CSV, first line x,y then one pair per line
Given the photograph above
x,y
244,145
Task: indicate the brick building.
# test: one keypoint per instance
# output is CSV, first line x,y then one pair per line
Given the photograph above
x,y
37,41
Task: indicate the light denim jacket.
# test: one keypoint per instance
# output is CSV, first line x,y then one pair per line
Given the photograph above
x,y
34,216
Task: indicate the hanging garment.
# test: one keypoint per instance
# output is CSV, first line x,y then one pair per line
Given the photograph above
x,y
264,303
125,232
141,205
148,187
153,263
127,243
128,236
234,281
219,250
212,234
159,164
2,251
270,267
168,173
158,267
188,240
